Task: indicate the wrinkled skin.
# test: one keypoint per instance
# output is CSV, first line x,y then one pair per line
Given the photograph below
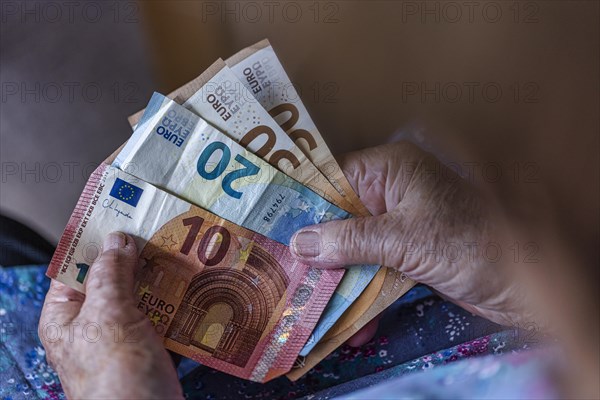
x,y
128,359
423,213
416,207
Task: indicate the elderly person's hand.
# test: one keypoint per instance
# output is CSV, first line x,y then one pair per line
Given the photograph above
x,y
427,223
100,344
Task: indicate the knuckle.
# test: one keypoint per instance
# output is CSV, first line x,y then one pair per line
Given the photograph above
x,y
344,239
354,238
390,241
110,269
112,256
100,277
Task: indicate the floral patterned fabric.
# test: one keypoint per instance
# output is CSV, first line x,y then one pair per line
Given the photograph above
x,y
24,372
521,375
419,332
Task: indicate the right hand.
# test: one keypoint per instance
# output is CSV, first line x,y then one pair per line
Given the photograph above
x,y
428,223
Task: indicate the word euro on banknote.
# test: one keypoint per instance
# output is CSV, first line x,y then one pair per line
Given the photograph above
x,y
263,74
222,100
218,293
252,194
175,149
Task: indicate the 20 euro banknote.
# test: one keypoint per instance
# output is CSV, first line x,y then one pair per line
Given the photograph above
x,y
175,149
216,292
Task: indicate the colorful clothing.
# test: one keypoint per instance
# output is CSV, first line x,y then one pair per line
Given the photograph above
x,y
510,376
419,332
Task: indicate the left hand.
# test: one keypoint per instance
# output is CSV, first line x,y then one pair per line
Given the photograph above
x,y
99,343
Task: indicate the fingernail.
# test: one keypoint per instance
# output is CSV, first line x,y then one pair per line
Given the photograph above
x,y
306,244
115,240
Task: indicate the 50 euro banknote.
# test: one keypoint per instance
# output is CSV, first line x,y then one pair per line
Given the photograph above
x,y
259,68
216,292
214,172
222,100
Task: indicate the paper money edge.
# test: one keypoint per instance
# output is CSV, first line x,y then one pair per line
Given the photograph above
x,y
330,317
347,190
187,90
248,51
338,334
183,93
286,356
65,243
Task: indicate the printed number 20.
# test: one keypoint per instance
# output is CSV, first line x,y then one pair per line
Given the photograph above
x,y
248,170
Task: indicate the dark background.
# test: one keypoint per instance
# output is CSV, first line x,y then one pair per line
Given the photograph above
x,y
510,83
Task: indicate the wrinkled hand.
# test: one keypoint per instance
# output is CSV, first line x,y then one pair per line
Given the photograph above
x,y
427,223
100,344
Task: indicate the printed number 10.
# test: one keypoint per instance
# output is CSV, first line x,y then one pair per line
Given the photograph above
x,y
248,170
195,223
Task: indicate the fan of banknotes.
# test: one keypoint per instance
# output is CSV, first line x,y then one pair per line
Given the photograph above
x,y
213,183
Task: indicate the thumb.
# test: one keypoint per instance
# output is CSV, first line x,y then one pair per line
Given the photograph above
x,y
364,240
111,275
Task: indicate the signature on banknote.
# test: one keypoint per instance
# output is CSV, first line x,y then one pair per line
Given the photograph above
x,y
111,204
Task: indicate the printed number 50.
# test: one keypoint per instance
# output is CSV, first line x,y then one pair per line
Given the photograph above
x,y
248,170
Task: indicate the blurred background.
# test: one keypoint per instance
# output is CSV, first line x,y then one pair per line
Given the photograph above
x,y
506,93
510,83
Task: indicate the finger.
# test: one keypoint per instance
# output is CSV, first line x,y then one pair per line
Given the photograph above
x,y
353,241
365,179
365,334
111,276
351,163
357,165
62,294
61,306
380,175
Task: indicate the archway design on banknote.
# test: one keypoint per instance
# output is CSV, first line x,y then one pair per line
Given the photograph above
x,y
225,310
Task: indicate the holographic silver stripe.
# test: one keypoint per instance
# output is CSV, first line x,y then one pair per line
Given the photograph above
x,y
282,331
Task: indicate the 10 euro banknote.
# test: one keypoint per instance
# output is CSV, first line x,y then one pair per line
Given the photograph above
x,y
216,292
